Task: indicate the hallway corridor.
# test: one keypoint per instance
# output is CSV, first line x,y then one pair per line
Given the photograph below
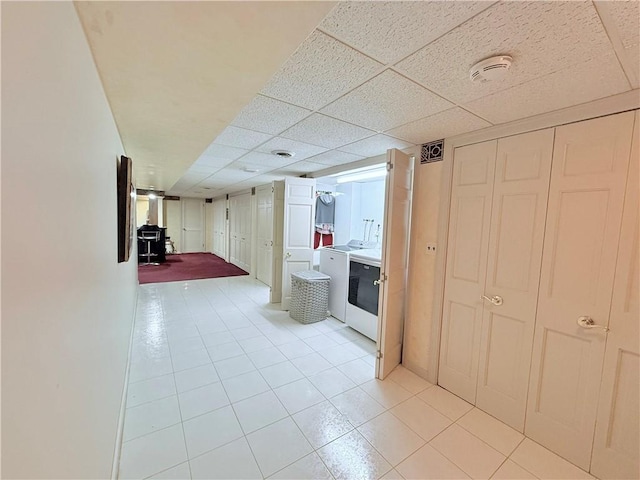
x,y
224,385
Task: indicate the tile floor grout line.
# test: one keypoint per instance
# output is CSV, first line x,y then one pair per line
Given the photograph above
x,y
184,434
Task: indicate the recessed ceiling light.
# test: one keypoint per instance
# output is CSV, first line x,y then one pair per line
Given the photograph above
x,y
490,68
251,170
283,153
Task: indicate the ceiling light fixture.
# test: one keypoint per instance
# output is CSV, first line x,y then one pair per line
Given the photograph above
x,y
251,170
283,153
152,196
490,68
368,175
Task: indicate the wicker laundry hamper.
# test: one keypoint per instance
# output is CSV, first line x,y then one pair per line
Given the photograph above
x,y
309,296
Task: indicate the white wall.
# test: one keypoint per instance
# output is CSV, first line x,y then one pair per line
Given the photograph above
x,y
422,267
368,200
343,213
142,210
67,306
359,200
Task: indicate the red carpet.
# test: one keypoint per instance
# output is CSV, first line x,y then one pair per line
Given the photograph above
x,y
188,266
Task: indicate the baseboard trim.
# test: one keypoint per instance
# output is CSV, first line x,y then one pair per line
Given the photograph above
x,y
115,467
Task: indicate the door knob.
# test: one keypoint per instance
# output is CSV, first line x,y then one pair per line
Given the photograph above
x,y
377,282
496,299
288,254
587,322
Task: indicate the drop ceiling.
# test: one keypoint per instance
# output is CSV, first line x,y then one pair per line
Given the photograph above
x,y
370,76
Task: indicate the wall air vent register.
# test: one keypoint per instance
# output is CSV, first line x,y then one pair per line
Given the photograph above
x,y
432,152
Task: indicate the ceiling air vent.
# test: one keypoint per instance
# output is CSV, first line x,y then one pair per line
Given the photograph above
x,y
490,68
283,153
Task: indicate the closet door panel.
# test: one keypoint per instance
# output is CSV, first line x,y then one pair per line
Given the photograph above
x,y
616,450
469,223
520,194
580,246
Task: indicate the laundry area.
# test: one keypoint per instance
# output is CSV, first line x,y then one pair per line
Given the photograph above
x,y
350,211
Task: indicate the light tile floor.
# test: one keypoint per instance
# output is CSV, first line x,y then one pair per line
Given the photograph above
x,y
224,385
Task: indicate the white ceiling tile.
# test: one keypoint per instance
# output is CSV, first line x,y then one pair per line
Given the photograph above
x,y
230,175
326,131
376,145
626,15
633,54
299,168
203,168
212,182
302,150
408,26
321,70
208,162
263,179
335,157
244,165
241,138
582,83
386,101
194,176
444,124
542,37
269,115
266,160
224,152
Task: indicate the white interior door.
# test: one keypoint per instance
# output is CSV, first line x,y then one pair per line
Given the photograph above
x,y
393,271
469,224
616,449
264,200
278,231
174,223
240,230
219,227
192,225
588,179
520,193
299,214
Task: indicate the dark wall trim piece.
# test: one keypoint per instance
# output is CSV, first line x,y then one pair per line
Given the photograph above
x,y
142,191
171,197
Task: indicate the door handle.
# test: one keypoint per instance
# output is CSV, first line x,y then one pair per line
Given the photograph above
x,y
496,299
587,322
377,282
288,255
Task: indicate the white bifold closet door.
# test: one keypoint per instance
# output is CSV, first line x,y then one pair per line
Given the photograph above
x,y
586,200
466,266
520,193
616,449
264,262
240,230
219,227
498,208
